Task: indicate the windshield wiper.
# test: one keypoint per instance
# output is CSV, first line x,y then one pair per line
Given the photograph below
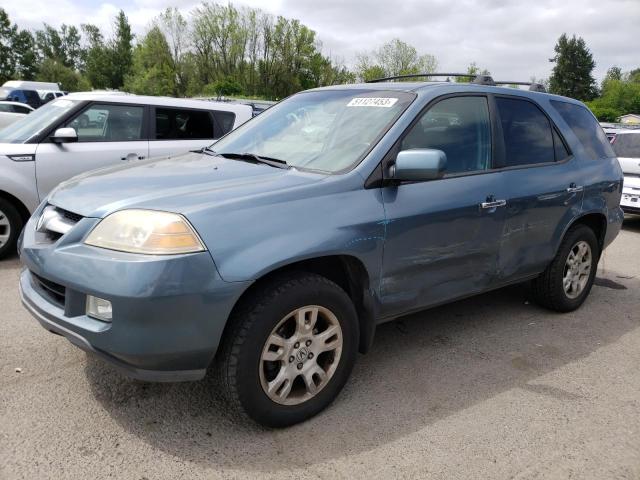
x,y
252,157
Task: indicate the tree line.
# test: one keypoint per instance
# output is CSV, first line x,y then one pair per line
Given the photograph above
x,y
219,49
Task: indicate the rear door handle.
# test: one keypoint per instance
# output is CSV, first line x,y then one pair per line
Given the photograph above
x,y
494,204
573,188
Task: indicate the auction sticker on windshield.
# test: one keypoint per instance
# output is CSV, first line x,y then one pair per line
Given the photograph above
x,y
385,102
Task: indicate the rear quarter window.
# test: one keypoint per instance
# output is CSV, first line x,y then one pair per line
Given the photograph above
x,y
586,128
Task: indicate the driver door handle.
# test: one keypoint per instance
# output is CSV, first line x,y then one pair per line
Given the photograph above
x,y
573,188
493,204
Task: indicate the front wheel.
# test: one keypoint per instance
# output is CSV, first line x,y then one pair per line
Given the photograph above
x,y
290,350
10,227
567,281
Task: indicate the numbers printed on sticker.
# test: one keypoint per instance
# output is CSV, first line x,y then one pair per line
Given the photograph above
x,y
384,102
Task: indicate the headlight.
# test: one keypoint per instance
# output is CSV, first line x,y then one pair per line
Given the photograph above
x,y
145,231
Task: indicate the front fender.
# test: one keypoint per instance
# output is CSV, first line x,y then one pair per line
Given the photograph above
x,y
18,179
250,242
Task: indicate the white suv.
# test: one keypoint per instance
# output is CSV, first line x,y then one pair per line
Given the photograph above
x,y
86,131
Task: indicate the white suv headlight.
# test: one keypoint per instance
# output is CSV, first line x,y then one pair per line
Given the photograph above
x,y
146,231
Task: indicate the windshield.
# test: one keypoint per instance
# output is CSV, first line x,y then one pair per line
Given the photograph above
x,y
328,130
627,145
36,121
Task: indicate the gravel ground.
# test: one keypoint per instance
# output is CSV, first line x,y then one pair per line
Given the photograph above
x,y
490,387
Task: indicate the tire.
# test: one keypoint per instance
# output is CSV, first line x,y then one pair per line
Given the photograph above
x,y
10,227
244,373
549,288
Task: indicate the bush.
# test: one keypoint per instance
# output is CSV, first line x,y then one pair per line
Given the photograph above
x,y
604,114
226,87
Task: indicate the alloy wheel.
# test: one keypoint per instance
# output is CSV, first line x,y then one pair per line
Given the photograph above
x,y
577,269
301,355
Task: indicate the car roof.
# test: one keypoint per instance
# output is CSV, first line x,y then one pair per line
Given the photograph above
x,y
428,86
121,97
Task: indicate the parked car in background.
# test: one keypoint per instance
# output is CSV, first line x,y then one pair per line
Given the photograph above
x,y
81,132
29,97
47,96
272,256
12,111
32,85
626,145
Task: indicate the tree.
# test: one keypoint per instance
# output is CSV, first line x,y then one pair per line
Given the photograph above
x,y
52,70
121,51
472,71
173,25
572,72
24,55
152,66
98,59
394,58
7,32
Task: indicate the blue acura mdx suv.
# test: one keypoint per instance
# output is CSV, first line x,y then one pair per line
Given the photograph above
x,y
271,256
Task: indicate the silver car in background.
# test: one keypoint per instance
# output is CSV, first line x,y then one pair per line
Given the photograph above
x,y
626,145
85,131
12,112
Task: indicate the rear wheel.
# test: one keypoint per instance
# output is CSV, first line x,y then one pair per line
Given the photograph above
x,y
291,349
567,281
10,227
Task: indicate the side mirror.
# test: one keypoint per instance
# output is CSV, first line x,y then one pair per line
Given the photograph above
x,y
64,135
419,164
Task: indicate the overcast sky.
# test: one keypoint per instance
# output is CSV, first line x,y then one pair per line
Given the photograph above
x,y
513,39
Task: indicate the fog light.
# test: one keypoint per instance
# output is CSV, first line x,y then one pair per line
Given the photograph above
x,y
99,308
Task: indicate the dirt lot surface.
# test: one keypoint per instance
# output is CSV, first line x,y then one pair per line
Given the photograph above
x,y
490,387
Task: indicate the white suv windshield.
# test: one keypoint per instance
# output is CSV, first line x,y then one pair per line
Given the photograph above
x,y
328,130
37,121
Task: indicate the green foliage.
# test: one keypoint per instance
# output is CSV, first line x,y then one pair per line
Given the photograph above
x,y
225,87
392,59
24,55
473,70
121,50
6,56
618,98
54,71
98,58
153,67
572,72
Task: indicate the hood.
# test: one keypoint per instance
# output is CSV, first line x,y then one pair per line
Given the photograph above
x,y
180,184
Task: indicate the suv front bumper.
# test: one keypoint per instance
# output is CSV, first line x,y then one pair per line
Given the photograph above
x,y
169,312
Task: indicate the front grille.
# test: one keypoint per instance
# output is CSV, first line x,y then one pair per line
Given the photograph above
x,y
74,217
56,292
55,222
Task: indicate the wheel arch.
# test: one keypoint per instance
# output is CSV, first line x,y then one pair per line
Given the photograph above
x,y
16,202
347,271
596,221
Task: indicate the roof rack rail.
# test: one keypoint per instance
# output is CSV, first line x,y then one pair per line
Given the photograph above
x,y
533,86
478,79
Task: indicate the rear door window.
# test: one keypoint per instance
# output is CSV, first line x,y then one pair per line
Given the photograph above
x,y
528,137
586,128
181,124
224,123
627,145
